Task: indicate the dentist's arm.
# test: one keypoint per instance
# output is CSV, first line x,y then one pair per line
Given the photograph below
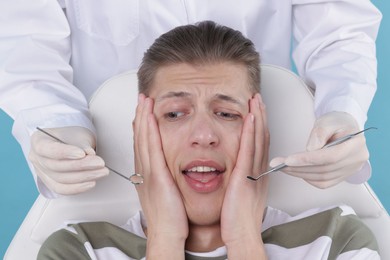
x,y
36,86
334,52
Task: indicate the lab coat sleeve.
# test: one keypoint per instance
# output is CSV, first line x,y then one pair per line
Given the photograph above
x,y
334,52
35,76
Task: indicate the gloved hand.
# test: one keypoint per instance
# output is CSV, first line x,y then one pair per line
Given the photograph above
x,y
327,167
66,168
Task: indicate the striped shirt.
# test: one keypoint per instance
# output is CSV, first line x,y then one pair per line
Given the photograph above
x,y
330,233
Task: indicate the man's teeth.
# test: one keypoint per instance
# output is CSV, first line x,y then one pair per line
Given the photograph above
x,y
202,169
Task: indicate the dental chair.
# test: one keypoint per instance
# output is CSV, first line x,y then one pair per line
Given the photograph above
x,y
291,117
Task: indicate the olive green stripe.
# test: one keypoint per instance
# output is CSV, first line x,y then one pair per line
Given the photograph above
x,y
63,245
347,232
351,235
102,234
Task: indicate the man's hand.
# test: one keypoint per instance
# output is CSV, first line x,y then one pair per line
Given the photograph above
x,y
327,167
66,168
245,200
167,225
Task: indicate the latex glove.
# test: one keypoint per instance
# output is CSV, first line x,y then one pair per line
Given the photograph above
x,y
159,195
66,168
245,200
329,166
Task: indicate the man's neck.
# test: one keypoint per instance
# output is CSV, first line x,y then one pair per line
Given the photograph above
x,y
204,238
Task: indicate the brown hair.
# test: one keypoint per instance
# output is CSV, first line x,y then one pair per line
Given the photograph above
x,y
203,43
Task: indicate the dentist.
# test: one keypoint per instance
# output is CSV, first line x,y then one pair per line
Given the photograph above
x,y
55,54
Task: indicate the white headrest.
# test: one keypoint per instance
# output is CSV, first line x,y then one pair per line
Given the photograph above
x,y
290,113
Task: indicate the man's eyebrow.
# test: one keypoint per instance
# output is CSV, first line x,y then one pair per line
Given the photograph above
x,y
183,94
172,94
227,98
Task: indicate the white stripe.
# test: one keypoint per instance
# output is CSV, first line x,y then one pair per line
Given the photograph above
x,y
220,251
71,229
361,254
318,249
134,225
111,253
347,210
275,217
90,250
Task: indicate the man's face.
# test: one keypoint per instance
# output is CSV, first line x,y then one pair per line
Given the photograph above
x,y
200,111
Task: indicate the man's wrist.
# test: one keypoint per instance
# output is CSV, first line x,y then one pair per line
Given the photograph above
x,y
160,246
250,247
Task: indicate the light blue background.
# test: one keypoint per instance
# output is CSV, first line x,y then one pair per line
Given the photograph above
x,y
18,192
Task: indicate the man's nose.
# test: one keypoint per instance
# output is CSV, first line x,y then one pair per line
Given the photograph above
x,y
204,133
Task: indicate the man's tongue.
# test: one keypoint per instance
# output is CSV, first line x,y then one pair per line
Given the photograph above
x,y
202,176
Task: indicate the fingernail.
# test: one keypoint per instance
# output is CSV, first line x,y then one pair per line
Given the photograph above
x,y
145,101
140,98
261,103
259,98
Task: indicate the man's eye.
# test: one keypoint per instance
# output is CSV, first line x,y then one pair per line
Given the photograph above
x,y
228,116
173,115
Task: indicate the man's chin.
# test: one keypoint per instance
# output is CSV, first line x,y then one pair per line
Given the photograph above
x,y
204,218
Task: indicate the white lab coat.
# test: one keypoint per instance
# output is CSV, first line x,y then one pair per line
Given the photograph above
x,y
54,54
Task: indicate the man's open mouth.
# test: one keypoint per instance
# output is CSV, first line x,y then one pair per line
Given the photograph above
x,y
202,174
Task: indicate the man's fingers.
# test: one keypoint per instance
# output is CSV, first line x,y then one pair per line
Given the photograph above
x,y
155,146
262,126
137,119
142,136
246,153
